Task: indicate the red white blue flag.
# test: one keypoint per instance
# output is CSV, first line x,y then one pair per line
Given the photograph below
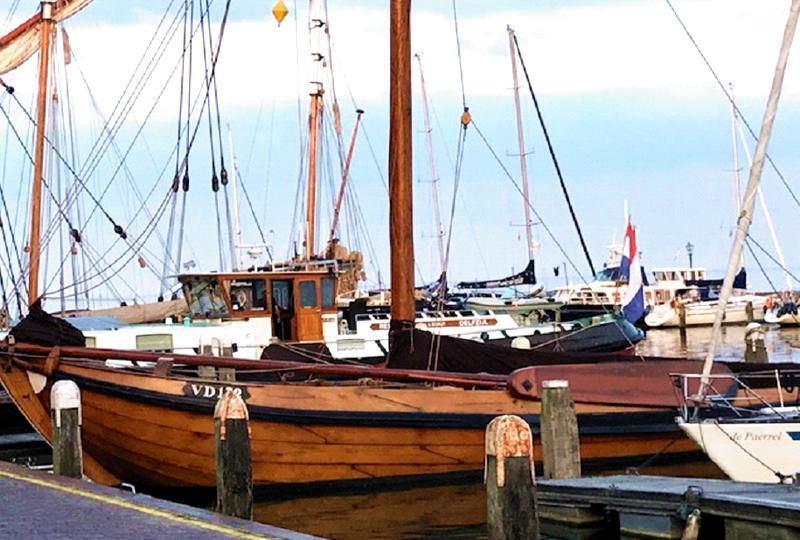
x,y
630,268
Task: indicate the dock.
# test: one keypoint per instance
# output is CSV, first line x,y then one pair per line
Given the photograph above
x,y
658,507
41,505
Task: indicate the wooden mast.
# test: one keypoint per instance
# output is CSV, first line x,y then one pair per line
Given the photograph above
x,y
46,31
523,165
401,230
345,172
748,201
316,90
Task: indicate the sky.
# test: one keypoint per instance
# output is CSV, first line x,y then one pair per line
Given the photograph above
x,y
633,112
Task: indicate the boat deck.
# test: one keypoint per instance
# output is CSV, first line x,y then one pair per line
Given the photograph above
x,y
41,505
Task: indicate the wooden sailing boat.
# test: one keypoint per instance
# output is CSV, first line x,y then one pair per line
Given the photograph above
x,y
150,421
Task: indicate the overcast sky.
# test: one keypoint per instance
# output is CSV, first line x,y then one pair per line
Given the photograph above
x,y
633,113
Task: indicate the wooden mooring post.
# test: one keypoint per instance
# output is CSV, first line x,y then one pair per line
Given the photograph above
x,y
65,406
755,351
233,459
561,450
510,483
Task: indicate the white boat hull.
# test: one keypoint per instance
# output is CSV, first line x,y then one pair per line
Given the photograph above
x,y
787,319
749,451
703,313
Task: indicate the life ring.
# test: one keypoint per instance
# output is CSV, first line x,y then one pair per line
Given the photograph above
x,y
674,303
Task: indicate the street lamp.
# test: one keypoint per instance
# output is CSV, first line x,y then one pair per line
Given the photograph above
x,y
689,252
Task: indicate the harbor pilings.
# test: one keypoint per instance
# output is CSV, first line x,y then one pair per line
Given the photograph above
x,y
510,483
65,406
232,453
561,452
755,350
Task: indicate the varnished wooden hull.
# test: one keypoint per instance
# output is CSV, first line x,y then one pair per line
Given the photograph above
x,y
158,431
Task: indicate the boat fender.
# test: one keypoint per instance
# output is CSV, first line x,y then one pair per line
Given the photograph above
x,y
521,342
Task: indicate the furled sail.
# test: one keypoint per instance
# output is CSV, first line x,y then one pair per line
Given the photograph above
x,y
526,277
23,41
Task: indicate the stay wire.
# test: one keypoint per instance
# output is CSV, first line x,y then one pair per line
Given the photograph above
x,y
553,157
176,180
460,63
8,221
60,158
732,101
185,180
773,259
214,177
544,225
761,267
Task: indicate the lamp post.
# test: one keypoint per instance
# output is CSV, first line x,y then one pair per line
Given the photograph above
x,y
690,252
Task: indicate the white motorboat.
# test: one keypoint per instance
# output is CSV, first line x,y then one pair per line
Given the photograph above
x,y
740,309
783,318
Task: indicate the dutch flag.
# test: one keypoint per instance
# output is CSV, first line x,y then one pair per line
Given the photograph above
x,y
633,299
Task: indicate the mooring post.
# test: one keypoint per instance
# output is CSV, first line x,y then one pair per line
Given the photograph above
x,y
65,405
558,427
682,315
748,310
232,453
755,351
510,485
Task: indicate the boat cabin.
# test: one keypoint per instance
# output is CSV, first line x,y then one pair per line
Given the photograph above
x,y
680,274
295,302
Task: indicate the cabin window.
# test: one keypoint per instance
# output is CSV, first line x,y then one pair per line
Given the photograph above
x,y
91,342
308,294
154,342
326,288
248,294
204,298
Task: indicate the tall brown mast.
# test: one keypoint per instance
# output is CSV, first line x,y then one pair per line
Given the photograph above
x,y
314,117
401,229
46,31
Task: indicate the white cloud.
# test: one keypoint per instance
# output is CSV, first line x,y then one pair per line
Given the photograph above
x,y
621,47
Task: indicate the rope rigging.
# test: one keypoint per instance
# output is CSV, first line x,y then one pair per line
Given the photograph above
x,y
134,246
732,101
553,157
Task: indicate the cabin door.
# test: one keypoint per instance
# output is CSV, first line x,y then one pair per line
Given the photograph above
x,y
283,309
309,313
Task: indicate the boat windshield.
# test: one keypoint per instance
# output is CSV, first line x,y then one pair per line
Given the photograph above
x,y
608,274
204,298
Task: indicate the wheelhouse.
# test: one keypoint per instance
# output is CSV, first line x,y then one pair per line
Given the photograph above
x,y
294,302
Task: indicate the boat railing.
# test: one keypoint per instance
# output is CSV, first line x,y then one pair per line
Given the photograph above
x,y
753,393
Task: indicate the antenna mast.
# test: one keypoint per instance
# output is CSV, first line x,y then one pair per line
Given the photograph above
x,y
437,218
523,166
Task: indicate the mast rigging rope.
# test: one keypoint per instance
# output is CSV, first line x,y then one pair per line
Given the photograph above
x,y
732,102
553,157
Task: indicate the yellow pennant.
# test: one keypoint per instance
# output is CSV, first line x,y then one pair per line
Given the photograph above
x,y
279,11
